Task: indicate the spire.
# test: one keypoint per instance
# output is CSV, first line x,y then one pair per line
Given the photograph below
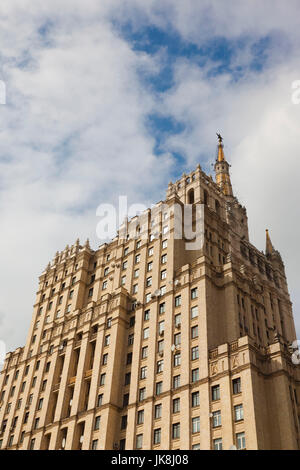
x,y
222,169
221,157
269,246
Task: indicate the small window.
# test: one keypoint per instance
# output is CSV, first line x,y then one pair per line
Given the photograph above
x,y
215,392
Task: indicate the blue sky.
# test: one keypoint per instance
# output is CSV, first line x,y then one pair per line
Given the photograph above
x,y
120,97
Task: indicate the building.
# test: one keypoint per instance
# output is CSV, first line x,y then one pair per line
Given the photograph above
x,y
146,344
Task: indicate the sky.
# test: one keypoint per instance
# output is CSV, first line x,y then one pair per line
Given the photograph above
x,y
119,97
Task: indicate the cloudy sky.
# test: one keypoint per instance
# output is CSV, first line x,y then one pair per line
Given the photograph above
x,y
121,96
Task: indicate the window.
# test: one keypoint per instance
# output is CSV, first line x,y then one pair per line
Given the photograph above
x,y
71,294
176,405
215,392
126,251
36,423
104,359
195,399
163,274
217,444
47,367
160,346
130,339
129,358
132,322
240,440
194,293
195,375
104,286
106,271
27,370
143,373
157,411
195,424
32,443
194,312
238,413
236,386
94,444
163,290
26,416
100,399
177,300
144,352
37,366
125,399
148,298
162,308
195,353
124,422
140,417
137,258
149,281
176,430
158,388
164,244
142,394
159,366
177,320
161,327
146,333
108,323
123,280
124,265
127,378
139,441
149,266
196,447
216,419
146,315
177,339
136,273
138,243
177,359
97,423
176,381
102,379
150,251
40,403
165,229
157,436
107,340
33,382
44,385
194,332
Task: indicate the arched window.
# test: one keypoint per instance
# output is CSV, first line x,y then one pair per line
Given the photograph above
x,y
191,196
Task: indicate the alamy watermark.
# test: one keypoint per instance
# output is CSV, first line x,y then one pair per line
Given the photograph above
x,y
186,221
296,92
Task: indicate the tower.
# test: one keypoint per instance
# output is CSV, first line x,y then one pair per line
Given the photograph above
x,y
144,343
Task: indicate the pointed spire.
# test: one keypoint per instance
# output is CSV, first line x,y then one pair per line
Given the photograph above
x,y
222,170
269,246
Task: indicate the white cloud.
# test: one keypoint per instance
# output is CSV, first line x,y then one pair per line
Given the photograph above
x,y
72,133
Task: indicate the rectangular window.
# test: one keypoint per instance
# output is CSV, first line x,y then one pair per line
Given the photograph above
x,y
124,265
146,315
148,298
40,403
162,308
215,392
140,417
195,375
144,352
157,411
176,405
123,280
143,372
177,359
194,312
159,366
164,244
195,353
94,444
146,333
149,281
134,288
194,332
238,413
176,430
163,290
130,339
150,251
177,339
157,436
236,386
97,423
158,388
240,441
194,293
100,399
163,274
195,424
176,381
107,340
136,273
216,419
161,327
127,378
139,441
104,359
177,300
124,422
142,394
195,399
217,444
102,379
149,266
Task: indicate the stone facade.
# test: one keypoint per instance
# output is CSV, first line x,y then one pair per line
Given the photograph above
x,y
144,343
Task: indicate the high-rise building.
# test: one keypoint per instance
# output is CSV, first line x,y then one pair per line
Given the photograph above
x,y
151,343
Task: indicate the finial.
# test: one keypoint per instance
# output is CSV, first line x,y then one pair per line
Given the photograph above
x,y
221,157
87,243
220,138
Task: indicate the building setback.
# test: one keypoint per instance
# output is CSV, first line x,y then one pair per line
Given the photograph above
x,y
146,344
